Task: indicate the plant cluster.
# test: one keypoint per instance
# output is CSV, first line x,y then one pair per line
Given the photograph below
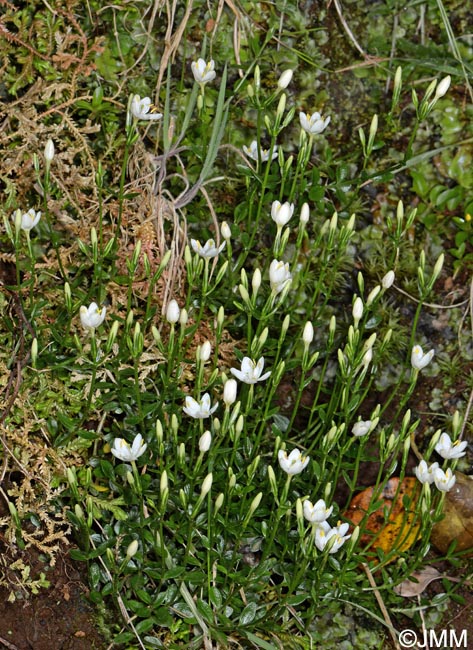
x,y
208,390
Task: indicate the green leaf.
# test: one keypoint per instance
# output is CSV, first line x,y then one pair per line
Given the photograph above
x,y
153,642
174,573
260,643
162,617
248,614
296,600
95,575
145,625
124,637
215,597
206,611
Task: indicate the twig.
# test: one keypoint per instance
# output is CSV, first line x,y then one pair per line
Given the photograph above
x,y
424,629
470,401
382,606
8,645
430,304
347,29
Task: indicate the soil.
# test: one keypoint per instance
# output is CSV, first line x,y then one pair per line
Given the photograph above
x,y
58,617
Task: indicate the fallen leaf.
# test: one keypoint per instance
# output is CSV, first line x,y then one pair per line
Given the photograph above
x,y
458,521
408,588
391,526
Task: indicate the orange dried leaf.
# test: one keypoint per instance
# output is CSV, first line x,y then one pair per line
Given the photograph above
x,y
391,526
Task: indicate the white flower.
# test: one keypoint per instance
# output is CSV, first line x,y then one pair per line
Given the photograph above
x,y
122,450
418,359
203,72
324,533
252,152
313,124
208,250
29,219
361,428
316,513
91,316
172,312
250,372
205,441
230,392
285,79
279,275
424,473
281,212
321,533
340,537
448,449
144,109
444,480
294,463
199,410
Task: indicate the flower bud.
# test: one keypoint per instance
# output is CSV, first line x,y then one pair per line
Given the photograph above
x,y
205,351
163,483
49,151
373,129
255,503
257,78
373,294
305,213
256,281
229,392
159,431
281,106
78,511
443,86
437,268
183,318
272,481
172,312
205,441
239,425
34,351
308,334
397,82
181,453
206,485
218,502
357,310
225,230
132,549
388,280
285,79
367,358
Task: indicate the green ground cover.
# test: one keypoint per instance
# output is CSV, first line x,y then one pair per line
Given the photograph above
x,y
236,267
